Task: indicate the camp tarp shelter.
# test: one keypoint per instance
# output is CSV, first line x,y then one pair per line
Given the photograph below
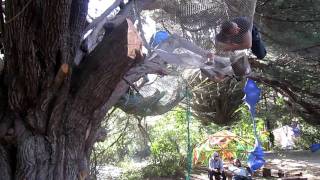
x,y
218,142
285,137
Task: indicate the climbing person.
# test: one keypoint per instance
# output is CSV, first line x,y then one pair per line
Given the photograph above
x,y
216,167
237,35
234,35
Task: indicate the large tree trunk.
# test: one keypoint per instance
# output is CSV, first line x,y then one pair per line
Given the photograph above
x,y
50,110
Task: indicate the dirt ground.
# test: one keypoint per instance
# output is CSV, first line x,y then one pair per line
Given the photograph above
x,y
290,162
295,162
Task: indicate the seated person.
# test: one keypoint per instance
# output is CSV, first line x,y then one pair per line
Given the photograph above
x,y
239,172
234,35
216,167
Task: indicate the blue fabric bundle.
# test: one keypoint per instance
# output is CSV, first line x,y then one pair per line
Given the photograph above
x,y
159,37
315,147
256,158
252,96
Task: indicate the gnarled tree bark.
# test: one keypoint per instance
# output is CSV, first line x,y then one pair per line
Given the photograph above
x,y
50,110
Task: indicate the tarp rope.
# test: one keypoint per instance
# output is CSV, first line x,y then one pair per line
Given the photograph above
x,y
188,117
252,96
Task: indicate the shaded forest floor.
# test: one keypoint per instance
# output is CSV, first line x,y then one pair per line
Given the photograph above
x,y
290,162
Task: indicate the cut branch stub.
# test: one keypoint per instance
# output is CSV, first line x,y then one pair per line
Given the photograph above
x,y
95,81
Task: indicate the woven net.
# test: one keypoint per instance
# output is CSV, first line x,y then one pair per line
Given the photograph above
x,y
225,24
199,15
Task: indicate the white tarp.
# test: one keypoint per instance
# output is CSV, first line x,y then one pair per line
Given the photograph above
x,y
284,137
179,51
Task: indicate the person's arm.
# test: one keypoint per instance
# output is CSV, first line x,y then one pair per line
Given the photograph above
x,y
210,168
245,44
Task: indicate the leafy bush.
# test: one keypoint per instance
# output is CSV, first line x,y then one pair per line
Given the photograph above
x,y
169,144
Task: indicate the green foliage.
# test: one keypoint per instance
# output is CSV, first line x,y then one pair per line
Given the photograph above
x,y
309,135
244,127
169,143
123,143
132,175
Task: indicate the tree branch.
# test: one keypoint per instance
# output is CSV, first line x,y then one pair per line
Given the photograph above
x,y
97,77
289,90
288,20
133,75
97,25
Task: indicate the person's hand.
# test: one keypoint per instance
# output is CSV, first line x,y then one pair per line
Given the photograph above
x,y
210,55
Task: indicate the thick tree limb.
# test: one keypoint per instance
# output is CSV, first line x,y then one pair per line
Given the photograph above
x,y
133,75
313,109
95,81
288,20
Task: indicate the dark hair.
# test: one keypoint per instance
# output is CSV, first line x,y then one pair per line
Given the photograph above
x,y
237,161
226,27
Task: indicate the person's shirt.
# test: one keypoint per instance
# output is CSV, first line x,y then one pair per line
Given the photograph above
x,y
215,164
239,171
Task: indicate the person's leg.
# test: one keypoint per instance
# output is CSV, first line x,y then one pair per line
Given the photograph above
x,y
210,175
224,177
216,175
236,177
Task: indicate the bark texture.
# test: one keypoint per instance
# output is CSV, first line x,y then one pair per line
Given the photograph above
x,y
50,109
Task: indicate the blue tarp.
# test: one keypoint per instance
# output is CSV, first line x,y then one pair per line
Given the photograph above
x,y
315,147
159,37
256,158
252,96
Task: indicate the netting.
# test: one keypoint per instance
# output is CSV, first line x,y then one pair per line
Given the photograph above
x,y
227,24
156,96
199,15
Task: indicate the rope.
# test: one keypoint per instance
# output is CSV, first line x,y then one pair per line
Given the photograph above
x,y
189,150
254,127
132,85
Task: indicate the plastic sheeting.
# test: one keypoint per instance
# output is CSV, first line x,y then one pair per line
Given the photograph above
x,y
183,53
159,37
284,137
252,96
256,158
315,147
